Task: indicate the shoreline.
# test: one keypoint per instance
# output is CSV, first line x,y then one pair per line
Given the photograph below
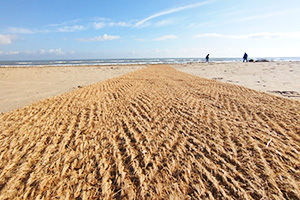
x,y
136,61
21,86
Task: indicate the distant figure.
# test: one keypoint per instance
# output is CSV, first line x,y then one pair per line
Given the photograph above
x,y
207,58
245,58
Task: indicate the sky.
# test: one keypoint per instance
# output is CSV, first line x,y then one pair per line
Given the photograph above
x,y
95,29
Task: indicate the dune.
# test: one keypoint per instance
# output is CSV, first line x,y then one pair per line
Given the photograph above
x,y
155,133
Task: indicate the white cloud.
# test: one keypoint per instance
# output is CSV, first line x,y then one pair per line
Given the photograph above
x,y
65,23
56,51
98,25
164,22
42,51
173,10
7,39
19,30
203,24
140,39
166,37
105,37
12,53
208,35
267,15
102,24
120,24
63,27
263,35
71,28
28,52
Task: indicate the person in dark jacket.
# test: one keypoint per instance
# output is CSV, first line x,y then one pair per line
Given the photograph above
x,y
245,58
207,58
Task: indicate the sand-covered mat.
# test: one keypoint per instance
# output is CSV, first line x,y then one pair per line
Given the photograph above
x,y
155,133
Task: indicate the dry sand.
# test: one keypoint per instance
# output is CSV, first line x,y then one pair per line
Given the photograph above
x,y
156,133
278,78
22,86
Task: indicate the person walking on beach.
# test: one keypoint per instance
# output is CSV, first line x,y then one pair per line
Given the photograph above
x,y
245,58
207,58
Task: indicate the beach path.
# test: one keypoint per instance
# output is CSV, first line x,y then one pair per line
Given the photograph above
x,y
153,133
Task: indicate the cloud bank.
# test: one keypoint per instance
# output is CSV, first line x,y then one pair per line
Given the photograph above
x,y
71,28
9,53
263,35
7,39
166,37
105,37
99,25
267,15
57,52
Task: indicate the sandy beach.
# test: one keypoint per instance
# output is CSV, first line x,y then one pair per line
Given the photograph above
x,y
21,86
155,133
278,78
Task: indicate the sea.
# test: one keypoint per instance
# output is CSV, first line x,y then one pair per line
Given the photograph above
x,y
134,61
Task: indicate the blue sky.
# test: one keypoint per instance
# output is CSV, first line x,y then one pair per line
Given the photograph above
x,y
77,29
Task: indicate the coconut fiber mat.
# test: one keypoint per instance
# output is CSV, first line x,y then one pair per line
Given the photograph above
x,y
155,133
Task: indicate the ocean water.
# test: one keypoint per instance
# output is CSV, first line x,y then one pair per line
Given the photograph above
x,y
20,63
